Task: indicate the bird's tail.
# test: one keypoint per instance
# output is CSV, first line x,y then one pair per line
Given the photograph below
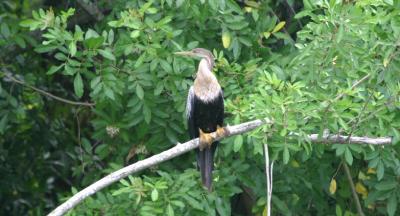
x,y
205,161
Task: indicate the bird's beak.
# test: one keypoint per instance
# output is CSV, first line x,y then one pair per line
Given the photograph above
x,y
185,53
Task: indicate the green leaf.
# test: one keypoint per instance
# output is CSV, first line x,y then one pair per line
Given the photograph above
x,y
60,56
170,210
93,43
3,123
380,170
111,36
72,48
95,82
237,144
78,85
151,10
303,13
45,48
340,149
389,2
154,195
348,156
139,91
135,34
340,34
267,34
338,211
109,93
54,69
386,185
166,66
392,205
286,155
30,23
90,33
147,119
5,30
279,26
179,3
124,182
107,54
193,203
20,41
178,203
159,89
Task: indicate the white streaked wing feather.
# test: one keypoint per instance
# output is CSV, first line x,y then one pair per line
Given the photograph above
x,y
189,102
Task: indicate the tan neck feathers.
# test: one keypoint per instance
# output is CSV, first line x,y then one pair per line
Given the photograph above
x,y
206,86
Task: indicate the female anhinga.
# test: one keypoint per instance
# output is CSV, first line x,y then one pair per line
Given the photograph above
x,y
205,112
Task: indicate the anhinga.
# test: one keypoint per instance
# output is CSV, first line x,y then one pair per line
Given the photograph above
x,y
205,112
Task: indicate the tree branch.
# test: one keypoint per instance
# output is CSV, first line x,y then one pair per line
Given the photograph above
x,y
358,82
180,149
13,79
353,190
269,174
340,139
151,161
92,9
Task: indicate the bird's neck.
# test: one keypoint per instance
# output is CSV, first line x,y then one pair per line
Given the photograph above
x,y
206,86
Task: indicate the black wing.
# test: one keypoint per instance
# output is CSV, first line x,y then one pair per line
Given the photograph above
x,y
190,109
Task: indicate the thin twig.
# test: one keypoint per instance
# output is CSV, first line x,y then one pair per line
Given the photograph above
x,y
353,86
353,189
78,125
269,183
337,170
358,118
339,96
294,13
15,80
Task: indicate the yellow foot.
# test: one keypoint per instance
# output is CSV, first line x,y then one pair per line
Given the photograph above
x,y
221,131
205,140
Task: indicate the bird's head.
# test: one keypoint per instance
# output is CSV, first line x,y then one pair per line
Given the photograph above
x,y
199,53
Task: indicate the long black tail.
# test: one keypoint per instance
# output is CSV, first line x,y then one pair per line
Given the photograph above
x,y
205,162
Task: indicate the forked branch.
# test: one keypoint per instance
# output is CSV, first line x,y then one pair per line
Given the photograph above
x,y
177,150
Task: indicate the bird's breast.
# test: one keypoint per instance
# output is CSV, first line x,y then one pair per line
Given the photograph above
x,y
207,90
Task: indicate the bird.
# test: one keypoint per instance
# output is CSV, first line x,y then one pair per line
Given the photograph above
x,y
205,112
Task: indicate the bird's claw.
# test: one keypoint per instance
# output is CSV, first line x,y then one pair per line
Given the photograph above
x,y
221,131
205,139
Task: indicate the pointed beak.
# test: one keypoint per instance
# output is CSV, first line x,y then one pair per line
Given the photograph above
x,y
185,53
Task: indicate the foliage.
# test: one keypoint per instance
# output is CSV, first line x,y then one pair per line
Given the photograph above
x,y
332,68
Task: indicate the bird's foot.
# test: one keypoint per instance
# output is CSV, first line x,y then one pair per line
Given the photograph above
x,y
206,140
221,131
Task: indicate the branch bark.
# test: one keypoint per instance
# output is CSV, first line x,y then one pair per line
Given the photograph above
x,y
340,139
180,149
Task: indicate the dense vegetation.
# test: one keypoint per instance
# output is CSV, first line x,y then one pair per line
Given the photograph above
x,y
311,66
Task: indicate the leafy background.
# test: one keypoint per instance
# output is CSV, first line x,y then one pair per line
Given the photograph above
x,y
292,61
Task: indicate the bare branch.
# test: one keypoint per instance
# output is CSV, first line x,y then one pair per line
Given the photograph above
x,y
269,174
180,149
339,139
151,161
13,79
